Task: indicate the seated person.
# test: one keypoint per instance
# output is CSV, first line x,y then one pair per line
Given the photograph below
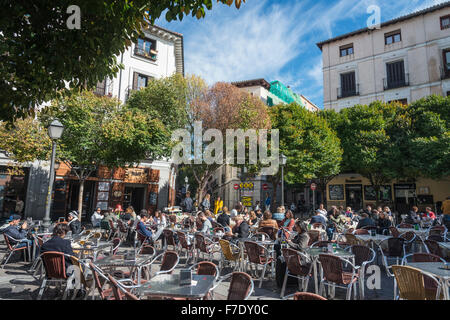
x,y
268,221
160,219
207,226
253,219
383,223
413,216
224,218
209,216
241,229
365,221
349,213
58,243
318,218
19,234
428,215
97,217
300,241
259,213
127,216
288,221
141,228
74,224
279,215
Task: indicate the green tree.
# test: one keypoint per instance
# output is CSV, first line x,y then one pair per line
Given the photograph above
x,y
40,54
312,149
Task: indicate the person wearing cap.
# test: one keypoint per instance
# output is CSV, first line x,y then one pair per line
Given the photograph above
x,y
74,224
18,233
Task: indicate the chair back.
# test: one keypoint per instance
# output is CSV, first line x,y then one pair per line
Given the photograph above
x,y
294,263
147,249
433,247
169,261
437,230
115,245
332,268
54,264
351,239
314,236
405,226
172,218
254,251
307,296
182,240
227,250
271,231
240,286
141,237
408,236
8,243
218,229
425,257
118,295
394,232
362,254
395,247
111,225
410,283
436,237
206,268
200,243
260,236
122,226
361,231
168,234
320,244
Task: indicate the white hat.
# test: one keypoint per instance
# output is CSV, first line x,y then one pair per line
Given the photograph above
x,y
74,214
233,213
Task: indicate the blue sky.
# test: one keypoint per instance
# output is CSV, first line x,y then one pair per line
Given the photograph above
x,y
275,40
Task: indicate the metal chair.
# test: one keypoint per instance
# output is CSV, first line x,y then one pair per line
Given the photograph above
x,y
228,254
363,257
411,284
204,245
394,232
321,244
170,239
184,245
405,226
207,268
296,267
271,231
333,275
409,237
120,293
361,232
241,286
55,272
170,260
14,248
434,248
100,281
395,251
258,255
314,236
304,296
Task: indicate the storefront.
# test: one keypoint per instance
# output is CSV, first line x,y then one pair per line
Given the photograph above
x,y
13,188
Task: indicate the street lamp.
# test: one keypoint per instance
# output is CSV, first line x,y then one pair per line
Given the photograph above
x,y
283,160
55,131
186,180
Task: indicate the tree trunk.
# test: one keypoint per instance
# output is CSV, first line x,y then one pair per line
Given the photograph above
x,y
80,199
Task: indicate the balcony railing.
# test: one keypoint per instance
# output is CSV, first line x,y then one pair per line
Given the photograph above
x,y
140,52
348,92
445,73
397,83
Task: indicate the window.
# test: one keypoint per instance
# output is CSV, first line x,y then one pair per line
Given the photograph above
x,y
140,81
446,60
402,101
445,22
346,50
100,89
396,76
348,85
392,37
146,48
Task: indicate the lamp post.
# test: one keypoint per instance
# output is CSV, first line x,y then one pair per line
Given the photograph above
x,y
186,180
283,160
55,131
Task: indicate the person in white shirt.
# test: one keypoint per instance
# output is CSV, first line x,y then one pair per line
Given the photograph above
x,y
323,212
97,217
160,219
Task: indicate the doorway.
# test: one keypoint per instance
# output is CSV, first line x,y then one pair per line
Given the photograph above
x,y
134,196
354,196
88,198
404,197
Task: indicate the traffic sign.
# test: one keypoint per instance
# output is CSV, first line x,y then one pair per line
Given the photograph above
x,y
236,187
313,186
265,186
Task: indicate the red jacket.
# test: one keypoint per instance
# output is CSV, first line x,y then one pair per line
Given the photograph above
x,y
429,215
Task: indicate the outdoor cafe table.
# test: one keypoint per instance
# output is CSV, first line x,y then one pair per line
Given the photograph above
x,y
167,285
446,247
367,238
118,261
90,247
314,254
438,270
422,233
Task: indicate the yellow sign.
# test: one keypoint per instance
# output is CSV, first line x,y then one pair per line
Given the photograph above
x,y
246,185
247,201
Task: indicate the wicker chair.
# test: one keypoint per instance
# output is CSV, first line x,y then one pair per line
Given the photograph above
x,y
333,274
361,232
314,236
394,232
438,230
304,296
184,245
296,268
241,286
351,239
436,237
409,237
405,226
411,284
100,281
119,292
363,257
271,231
228,254
170,239
260,236
55,271
258,255
434,248
204,246
172,218
320,244
14,248
395,251
206,268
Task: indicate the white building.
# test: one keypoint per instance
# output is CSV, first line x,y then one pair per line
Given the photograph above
x,y
157,54
404,60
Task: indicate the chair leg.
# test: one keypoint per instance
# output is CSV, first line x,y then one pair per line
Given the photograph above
x,y
361,287
7,259
349,292
41,290
283,288
355,292
262,276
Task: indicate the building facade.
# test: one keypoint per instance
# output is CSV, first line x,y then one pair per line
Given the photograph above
x,y
404,60
158,53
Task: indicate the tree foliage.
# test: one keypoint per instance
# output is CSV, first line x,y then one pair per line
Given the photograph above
x,y
40,55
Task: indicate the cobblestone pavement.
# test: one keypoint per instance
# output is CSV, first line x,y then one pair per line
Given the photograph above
x,y
16,283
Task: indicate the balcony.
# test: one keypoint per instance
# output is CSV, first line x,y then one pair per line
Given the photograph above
x,y
396,83
445,73
142,53
352,92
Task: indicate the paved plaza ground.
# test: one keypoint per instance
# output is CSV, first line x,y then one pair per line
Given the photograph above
x,y
16,283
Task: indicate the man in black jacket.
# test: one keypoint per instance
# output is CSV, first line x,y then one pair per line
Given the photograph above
x,y
58,243
74,224
365,221
241,230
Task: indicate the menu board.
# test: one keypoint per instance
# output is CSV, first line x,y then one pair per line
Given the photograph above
x,y
103,186
152,198
385,193
103,196
336,191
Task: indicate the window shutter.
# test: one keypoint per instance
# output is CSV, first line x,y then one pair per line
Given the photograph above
x,y
135,80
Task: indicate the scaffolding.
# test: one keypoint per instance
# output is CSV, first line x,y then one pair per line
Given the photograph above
x,y
284,93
